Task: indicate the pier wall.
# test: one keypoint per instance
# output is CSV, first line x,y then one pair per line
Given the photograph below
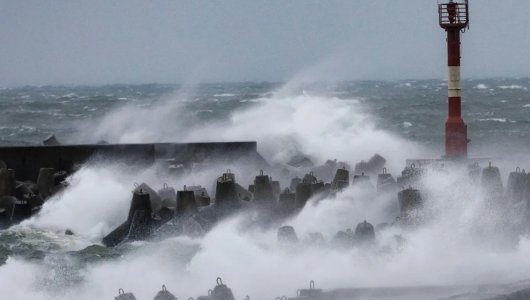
x,y
27,160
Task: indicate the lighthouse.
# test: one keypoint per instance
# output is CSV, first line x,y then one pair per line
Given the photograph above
x,y
454,19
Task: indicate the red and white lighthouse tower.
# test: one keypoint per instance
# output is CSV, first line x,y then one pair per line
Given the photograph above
x,y
454,18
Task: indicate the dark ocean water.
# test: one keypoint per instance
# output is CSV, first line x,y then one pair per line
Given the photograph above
x,y
497,112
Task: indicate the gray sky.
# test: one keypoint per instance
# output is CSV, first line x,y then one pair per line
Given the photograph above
x,y
137,41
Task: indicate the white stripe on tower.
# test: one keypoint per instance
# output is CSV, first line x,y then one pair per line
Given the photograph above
x,y
453,84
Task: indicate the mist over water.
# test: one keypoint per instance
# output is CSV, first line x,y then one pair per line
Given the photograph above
x,y
318,126
465,242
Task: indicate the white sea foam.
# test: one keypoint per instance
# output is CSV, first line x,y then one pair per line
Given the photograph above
x,y
511,87
500,120
224,95
250,100
283,125
69,95
481,86
460,245
92,204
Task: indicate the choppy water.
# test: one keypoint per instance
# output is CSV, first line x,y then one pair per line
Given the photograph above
x,y
349,121
496,110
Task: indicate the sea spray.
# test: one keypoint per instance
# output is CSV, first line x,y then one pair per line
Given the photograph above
x,y
446,250
458,246
320,127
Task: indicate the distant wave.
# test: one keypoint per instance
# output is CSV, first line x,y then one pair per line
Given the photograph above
x,y
481,86
68,96
512,87
202,111
224,95
250,100
500,120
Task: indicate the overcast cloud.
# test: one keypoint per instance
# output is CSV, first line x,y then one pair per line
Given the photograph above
x,y
174,41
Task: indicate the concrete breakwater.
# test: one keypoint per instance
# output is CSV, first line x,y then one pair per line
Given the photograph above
x,y
29,175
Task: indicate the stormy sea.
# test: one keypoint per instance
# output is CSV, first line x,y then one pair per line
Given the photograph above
x,y
463,245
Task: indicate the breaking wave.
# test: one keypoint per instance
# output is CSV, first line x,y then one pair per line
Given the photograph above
x,y
283,125
500,120
512,87
461,245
